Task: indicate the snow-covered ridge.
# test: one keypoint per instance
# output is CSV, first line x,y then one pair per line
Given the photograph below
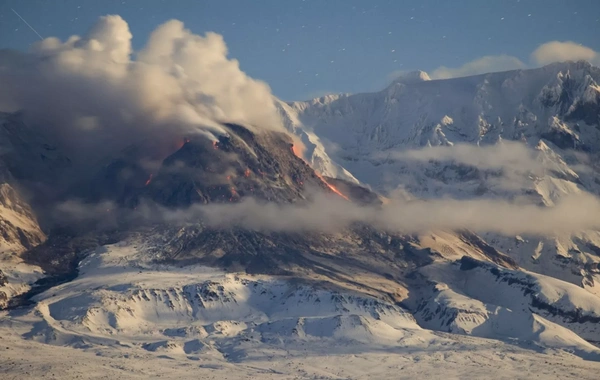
x,y
482,108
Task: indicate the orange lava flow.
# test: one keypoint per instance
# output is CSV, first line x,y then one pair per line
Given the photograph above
x,y
332,188
336,191
214,143
149,180
297,150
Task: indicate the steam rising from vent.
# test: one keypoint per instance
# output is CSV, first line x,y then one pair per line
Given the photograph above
x,y
92,96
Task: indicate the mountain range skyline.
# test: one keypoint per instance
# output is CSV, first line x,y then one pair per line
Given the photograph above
x,y
305,49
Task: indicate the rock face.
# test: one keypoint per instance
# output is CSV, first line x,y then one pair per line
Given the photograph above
x,y
30,169
19,229
19,232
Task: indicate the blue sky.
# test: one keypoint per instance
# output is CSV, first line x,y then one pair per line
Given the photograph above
x,y
307,48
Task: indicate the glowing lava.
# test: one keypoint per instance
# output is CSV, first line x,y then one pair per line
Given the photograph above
x,y
298,148
331,187
148,180
234,194
215,145
296,151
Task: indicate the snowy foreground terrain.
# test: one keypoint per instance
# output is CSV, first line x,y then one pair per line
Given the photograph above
x,y
123,317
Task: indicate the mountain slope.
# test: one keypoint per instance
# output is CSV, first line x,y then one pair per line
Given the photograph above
x,y
19,227
479,109
553,110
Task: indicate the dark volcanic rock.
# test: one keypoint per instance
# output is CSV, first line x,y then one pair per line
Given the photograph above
x,y
240,164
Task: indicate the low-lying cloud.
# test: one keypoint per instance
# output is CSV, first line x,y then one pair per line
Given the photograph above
x,y
507,155
507,165
94,93
328,213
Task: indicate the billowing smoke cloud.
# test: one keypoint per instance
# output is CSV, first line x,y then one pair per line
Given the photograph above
x,y
91,94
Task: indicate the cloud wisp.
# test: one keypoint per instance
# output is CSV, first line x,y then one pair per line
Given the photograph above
x,y
546,53
507,155
486,64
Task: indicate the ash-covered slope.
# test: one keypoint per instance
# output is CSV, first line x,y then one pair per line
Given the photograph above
x,y
240,164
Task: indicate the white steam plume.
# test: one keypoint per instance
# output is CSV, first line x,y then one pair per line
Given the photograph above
x,y
90,94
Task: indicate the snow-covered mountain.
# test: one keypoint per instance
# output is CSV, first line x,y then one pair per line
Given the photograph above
x,y
132,273
400,140
558,104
